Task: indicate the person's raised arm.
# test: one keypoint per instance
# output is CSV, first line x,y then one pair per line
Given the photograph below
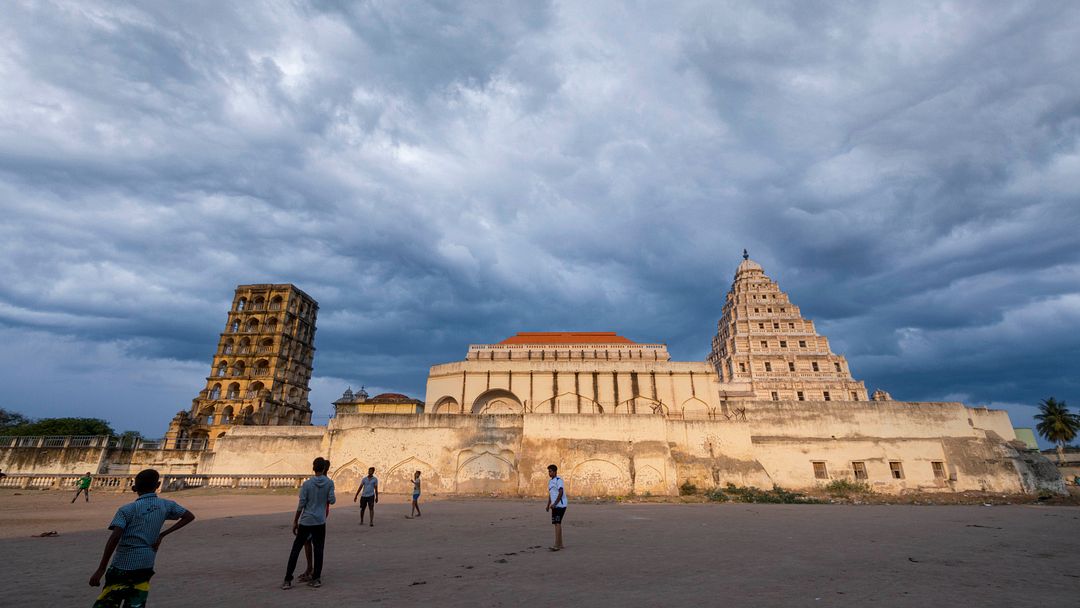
x,y
110,546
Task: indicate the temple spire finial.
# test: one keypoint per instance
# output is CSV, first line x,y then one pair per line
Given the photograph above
x,y
745,256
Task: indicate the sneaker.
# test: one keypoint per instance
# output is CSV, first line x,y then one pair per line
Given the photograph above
x,y
315,583
286,585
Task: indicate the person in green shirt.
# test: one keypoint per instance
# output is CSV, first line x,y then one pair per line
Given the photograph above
x,y
83,485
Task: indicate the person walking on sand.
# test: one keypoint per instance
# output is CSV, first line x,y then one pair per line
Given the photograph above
x,y
81,486
309,521
369,495
136,539
556,504
415,495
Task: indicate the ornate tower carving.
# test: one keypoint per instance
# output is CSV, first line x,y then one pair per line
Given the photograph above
x,y
763,340
262,367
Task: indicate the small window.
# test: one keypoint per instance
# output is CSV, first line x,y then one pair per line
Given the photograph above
x,y
742,367
768,309
859,468
897,469
939,469
761,326
801,396
757,310
814,366
783,343
836,365
775,396
826,395
802,343
791,326
854,396
768,368
790,366
820,470
776,326
783,310
764,344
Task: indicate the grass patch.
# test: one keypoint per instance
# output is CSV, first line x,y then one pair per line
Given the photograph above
x,y
750,494
687,489
847,487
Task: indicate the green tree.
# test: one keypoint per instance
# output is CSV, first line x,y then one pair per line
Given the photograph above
x,y
61,426
1057,424
11,419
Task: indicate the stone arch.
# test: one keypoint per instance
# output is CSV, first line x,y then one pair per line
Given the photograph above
x,y
252,325
234,391
262,367
227,349
695,408
206,415
485,471
226,414
497,401
348,475
215,392
246,413
398,478
598,477
568,403
446,405
222,368
258,303
639,404
238,368
275,303
272,324
241,303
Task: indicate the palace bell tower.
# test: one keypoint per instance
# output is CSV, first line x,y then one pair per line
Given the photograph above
x,y
260,372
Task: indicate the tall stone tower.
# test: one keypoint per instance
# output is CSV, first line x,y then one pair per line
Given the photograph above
x,y
261,370
763,340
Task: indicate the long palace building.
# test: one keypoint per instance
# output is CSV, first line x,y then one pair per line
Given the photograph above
x,y
771,404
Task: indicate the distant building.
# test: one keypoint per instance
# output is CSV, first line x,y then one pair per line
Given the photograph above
x,y
384,403
260,372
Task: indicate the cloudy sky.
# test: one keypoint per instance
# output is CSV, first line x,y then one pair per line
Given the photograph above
x,y
450,173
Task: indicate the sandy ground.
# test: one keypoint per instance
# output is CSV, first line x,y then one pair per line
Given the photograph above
x,y
492,553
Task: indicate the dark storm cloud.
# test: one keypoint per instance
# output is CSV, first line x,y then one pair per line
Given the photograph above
x,y
436,175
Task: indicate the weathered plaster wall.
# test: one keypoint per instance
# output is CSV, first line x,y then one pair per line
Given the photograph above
x,y
771,443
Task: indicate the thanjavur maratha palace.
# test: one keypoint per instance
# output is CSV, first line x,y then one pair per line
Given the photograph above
x,y
772,404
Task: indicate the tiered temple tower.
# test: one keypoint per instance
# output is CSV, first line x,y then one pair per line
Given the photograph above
x,y
262,367
763,340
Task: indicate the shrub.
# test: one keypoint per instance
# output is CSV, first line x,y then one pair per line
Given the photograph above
x,y
776,495
687,489
847,487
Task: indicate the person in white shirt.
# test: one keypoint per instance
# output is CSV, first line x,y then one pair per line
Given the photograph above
x,y
369,495
556,504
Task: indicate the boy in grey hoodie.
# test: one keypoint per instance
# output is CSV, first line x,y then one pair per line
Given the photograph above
x,y
316,495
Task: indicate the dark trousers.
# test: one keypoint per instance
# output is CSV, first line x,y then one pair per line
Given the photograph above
x,y
317,534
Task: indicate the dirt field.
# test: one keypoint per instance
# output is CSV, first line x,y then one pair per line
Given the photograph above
x,y
493,553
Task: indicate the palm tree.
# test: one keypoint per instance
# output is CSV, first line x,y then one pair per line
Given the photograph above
x,y
1057,424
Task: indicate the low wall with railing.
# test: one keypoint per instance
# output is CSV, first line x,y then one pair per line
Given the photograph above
x,y
122,483
97,454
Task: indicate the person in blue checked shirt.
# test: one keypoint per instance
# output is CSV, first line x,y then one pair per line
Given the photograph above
x,y
134,543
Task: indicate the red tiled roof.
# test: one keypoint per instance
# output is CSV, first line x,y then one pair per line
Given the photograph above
x,y
392,398
567,337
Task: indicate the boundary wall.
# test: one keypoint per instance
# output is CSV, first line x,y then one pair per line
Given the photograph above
x,y
793,444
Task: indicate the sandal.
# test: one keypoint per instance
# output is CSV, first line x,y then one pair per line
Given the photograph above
x,y
315,583
286,585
